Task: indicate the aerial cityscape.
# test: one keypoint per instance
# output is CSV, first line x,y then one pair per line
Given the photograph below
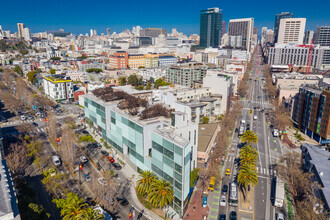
x,y
164,115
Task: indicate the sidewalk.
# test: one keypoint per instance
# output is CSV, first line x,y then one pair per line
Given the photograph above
x,y
132,176
195,210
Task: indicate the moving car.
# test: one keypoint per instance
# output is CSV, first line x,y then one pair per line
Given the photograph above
x,y
222,217
211,184
123,201
102,181
255,117
227,172
233,215
84,159
223,201
279,216
87,177
117,166
56,160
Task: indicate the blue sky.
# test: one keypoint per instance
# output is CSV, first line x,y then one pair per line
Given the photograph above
x,y
80,16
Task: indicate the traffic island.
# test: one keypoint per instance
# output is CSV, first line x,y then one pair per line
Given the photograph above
x,y
246,207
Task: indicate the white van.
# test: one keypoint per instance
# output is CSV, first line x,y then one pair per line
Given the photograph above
x,y
56,160
275,133
23,117
255,117
243,121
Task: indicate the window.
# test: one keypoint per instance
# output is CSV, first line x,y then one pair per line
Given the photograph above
x,y
168,153
113,120
178,168
194,137
157,147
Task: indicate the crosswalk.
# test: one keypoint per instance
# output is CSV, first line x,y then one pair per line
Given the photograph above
x,y
260,170
257,102
17,122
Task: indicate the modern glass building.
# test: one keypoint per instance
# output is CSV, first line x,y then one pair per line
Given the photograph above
x,y
322,36
278,17
210,28
168,147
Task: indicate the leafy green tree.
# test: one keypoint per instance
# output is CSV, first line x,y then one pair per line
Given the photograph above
x,y
146,178
35,80
141,67
133,80
249,137
140,87
86,138
55,58
248,156
18,70
92,214
39,209
148,87
94,70
38,70
1,70
122,81
247,176
72,207
194,177
52,71
152,79
160,82
24,52
205,120
160,193
31,75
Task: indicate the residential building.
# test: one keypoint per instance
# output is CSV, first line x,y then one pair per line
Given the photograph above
x,y
294,54
136,60
155,73
210,28
8,200
151,60
291,30
168,147
244,28
78,93
167,60
308,38
143,94
20,32
311,112
315,159
278,18
119,60
58,87
322,36
185,74
220,85
27,34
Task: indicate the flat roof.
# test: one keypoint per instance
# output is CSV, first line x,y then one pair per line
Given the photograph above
x,y
205,134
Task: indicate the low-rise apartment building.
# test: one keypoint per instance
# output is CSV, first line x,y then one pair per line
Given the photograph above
x,y
119,60
166,146
136,60
58,87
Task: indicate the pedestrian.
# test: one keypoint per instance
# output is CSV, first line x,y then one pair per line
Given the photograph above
x,y
194,208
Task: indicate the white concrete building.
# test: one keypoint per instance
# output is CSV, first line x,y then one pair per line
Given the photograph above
x,y
242,27
219,84
58,88
27,34
291,30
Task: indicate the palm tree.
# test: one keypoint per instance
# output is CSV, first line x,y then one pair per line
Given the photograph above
x,y
249,137
161,193
248,155
144,183
247,176
72,207
91,214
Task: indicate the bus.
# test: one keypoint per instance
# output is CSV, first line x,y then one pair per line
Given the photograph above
x,y
233,194
212,183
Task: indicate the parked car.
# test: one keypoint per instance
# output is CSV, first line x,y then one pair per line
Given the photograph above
x,y
87,177
104,153
85,132
224,189
222,217
84,159
35,124
117,166
110,159
123,201
223,201
56,160
23,118
30,117
102,181
227,172
279,216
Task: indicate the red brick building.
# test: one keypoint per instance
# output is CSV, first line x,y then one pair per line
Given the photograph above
x,y
119,60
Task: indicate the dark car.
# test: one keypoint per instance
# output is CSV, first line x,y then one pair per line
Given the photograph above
x,y
236,130
35,124
117,166
85,132
224,189
222,217
233,215
123,201
97,145
104,153
271,126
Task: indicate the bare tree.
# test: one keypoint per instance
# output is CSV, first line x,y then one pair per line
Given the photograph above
x,y
18,159
52,132
67,150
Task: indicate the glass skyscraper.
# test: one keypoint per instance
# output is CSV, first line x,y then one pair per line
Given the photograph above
x,y
278,17
210,28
